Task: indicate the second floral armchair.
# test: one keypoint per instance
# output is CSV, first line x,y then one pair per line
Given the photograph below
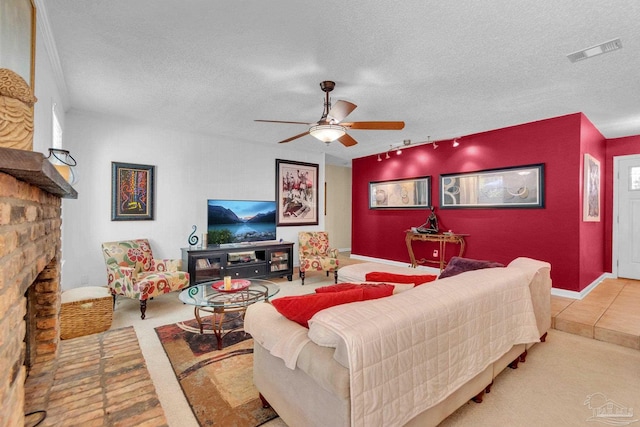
x,y
315,254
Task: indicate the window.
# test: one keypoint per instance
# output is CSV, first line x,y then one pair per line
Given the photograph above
x,y
56,133
634,178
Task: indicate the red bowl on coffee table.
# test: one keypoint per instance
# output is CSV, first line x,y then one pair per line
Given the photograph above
x,y
236,285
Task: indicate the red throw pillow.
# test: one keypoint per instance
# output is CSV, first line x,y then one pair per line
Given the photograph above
x,y
336,288
371,290
302,308
417,279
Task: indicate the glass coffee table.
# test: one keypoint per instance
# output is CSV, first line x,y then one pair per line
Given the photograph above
x,y
226,305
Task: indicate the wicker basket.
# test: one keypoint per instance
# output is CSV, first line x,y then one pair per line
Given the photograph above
x,y
85,311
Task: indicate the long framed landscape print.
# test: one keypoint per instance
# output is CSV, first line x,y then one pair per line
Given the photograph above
x,y
296,193
512,187
132,191
411,193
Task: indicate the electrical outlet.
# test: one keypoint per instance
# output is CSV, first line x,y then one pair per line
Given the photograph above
x,y
435,253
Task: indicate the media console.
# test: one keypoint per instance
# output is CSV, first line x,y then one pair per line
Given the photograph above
x,y
240,261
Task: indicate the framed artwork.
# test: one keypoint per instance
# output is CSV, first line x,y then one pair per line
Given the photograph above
x,y
591,191
296,193
18,38
132,191
513,187
412,193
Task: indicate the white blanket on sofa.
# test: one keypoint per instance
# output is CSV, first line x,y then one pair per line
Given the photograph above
x,y
410,351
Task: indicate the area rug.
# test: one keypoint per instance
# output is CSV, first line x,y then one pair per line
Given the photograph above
x,y
218,384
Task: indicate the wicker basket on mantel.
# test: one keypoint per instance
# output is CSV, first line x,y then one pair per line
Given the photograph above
x,y
87,310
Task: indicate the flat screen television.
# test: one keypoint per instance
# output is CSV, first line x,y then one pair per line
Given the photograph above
x,y
240,221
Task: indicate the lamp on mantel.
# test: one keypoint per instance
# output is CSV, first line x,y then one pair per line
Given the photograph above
x,y
327,133
64,162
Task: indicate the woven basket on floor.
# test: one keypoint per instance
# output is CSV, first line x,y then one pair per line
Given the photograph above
x,y
85,311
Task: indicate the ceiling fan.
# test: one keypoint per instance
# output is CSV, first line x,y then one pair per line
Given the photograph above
x,y
330,127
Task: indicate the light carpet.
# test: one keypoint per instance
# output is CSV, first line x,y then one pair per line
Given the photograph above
x,y
551,388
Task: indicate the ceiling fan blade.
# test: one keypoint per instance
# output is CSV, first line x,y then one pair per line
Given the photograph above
x,y
374,125
340,110
347,140
282,121
294,137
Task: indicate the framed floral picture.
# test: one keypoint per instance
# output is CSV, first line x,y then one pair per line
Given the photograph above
x,y
296,193
132,192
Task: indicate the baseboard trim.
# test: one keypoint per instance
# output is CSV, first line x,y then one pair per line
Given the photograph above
x,y
583,293
431,270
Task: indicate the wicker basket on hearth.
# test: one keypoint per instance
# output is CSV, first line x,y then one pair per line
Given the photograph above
x,y
85,311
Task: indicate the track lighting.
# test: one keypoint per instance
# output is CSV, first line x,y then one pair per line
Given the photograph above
x,y
455,143
379,159
387,157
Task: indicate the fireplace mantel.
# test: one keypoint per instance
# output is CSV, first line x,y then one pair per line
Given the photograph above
x,y
33,168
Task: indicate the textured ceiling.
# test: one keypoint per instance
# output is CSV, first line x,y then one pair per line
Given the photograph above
x,y
448,69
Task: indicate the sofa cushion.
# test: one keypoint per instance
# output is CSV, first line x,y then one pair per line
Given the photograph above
x,y
416,279
459,265
371,290
302,308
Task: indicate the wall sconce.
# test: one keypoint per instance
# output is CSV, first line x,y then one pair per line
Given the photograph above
x,y
64,163
455,143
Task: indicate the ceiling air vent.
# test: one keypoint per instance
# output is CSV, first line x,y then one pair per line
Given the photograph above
x,y
599,49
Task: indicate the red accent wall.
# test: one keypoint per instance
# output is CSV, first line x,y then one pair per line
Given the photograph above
x,y
592,237
552,234
615,147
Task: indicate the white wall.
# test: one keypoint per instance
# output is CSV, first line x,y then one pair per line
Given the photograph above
x,y
338,203
47,93
190,168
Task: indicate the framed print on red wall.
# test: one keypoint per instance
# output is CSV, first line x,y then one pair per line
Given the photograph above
x,y
296,193
511,187
591,191
132,191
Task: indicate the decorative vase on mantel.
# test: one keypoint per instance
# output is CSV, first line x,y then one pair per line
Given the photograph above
x,y
16,111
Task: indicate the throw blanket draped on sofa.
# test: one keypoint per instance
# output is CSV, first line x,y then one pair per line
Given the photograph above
x,y
409,351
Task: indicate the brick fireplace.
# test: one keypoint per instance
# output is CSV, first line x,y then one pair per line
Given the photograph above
x,y
31,192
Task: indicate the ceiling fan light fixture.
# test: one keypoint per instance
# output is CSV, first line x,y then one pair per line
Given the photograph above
x,y
327,133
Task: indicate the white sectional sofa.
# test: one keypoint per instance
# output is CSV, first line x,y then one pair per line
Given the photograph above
x,y
410,359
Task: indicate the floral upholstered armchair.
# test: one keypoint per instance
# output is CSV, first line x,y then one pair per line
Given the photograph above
x,y
133,272
315,254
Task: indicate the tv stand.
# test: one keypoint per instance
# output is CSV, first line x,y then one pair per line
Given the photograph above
x,y
239,260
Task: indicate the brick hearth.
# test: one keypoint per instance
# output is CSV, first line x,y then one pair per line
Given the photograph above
x,y
96,380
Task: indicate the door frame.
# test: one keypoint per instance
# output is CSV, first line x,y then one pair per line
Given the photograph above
x,y
615,238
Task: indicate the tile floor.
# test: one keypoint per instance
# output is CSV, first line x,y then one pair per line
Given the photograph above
x,y
610,313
